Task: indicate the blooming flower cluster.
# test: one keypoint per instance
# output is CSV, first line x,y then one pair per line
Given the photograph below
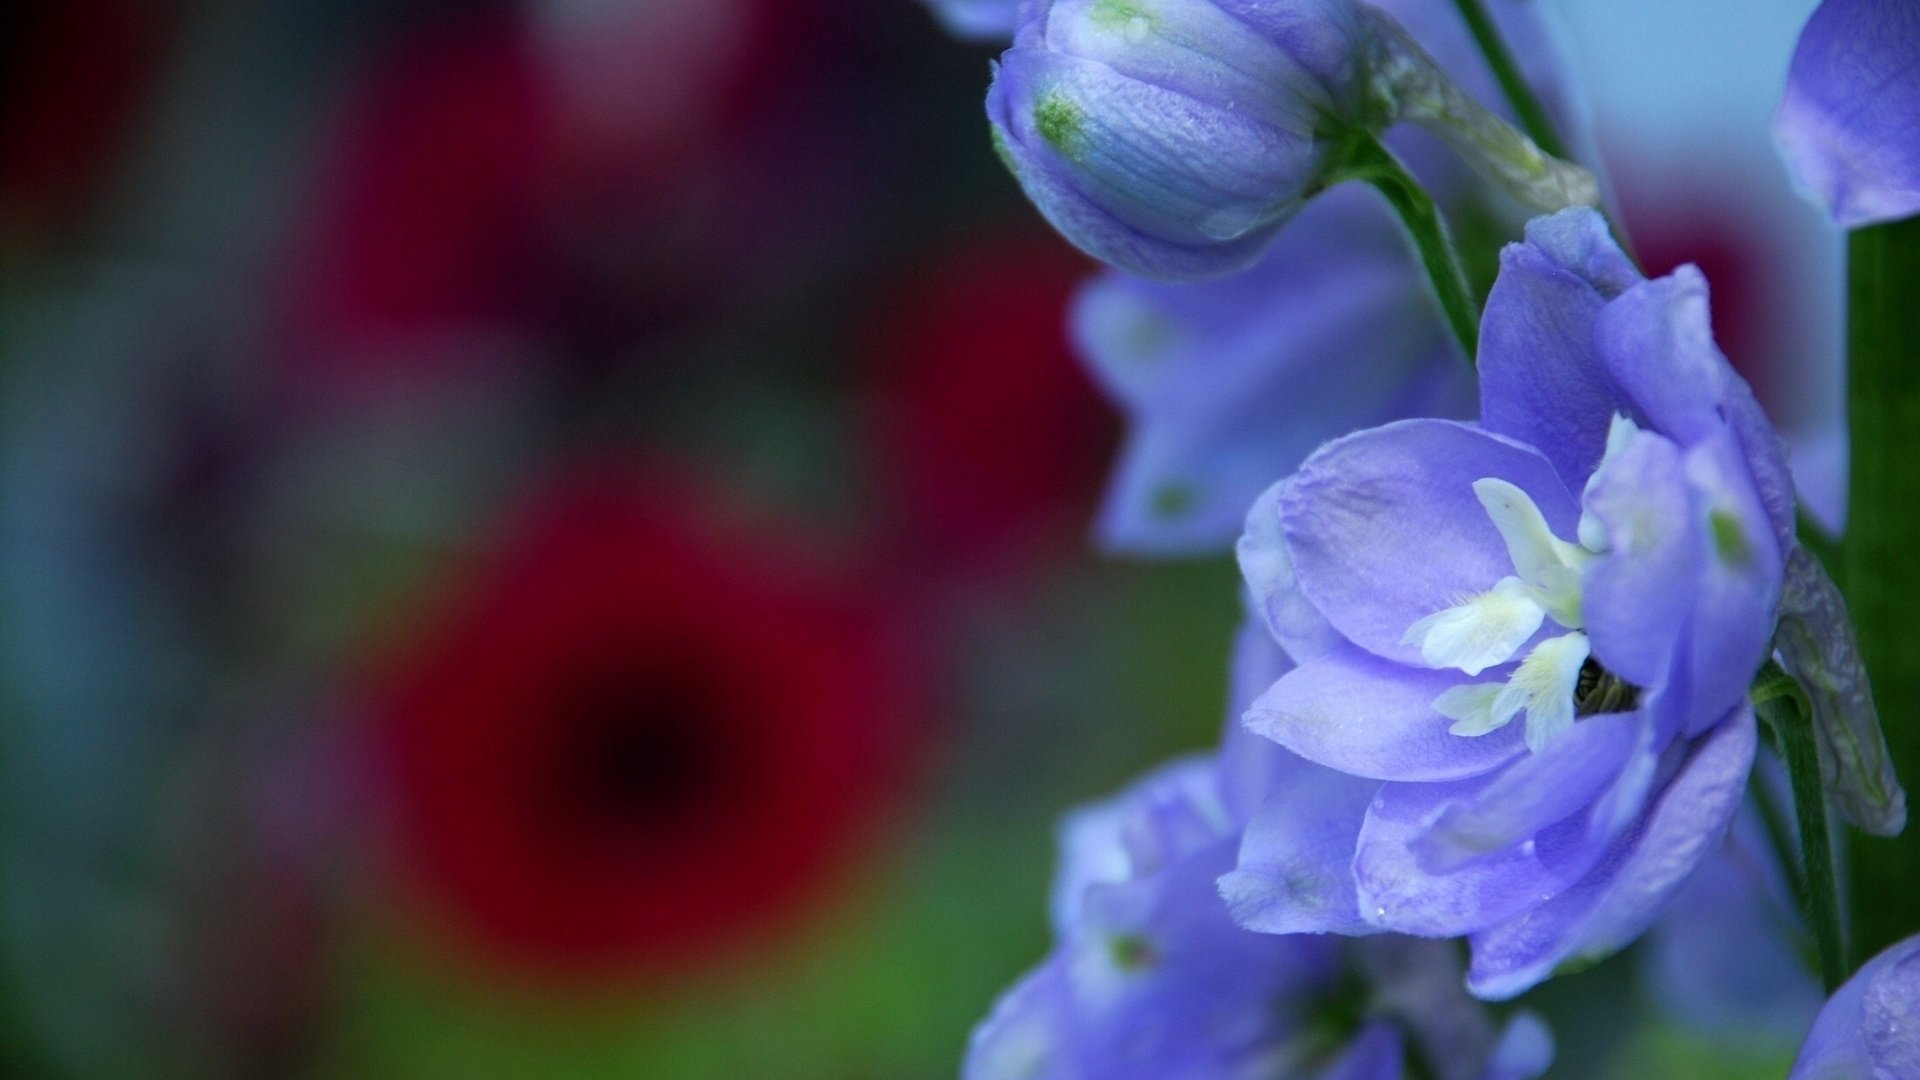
x,y
1509,680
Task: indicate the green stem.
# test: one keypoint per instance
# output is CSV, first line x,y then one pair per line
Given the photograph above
x,y
1793,724
1779,837
1878,566
1374,163
1533,116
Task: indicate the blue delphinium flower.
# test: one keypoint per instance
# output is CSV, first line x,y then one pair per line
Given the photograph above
x,y
1870,1028
1175,137
1151,978
1849,123
1229,383
1550,687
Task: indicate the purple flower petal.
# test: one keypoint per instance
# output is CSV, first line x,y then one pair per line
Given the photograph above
x,y
1251,766
1273,587
1142,212
1726,959
1352,711
1656,341
1525,1050
1532,794
1397,894
1099,841
1377,1053
1849,124
1295,873
1228,384
1541,380
977,20
1737,595
1383,527
1641,873
1870,1028
1635,595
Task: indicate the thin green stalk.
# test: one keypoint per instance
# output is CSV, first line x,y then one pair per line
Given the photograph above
x,y
1532,115
1779,837
1880,555
1370,161
1794,726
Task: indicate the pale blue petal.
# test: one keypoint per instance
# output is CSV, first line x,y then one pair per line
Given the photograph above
x,y
1629,890
1383,527
1849,124
1352,711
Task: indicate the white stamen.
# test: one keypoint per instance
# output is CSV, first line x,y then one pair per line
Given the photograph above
x,y
1544,683
1471,708
1483,631
1549,566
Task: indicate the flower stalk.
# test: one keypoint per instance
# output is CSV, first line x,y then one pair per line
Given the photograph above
x,y
1532,114
1878,567
1372,162
1787,713
1422,93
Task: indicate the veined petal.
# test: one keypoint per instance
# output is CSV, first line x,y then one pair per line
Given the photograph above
x,y
1738,594
1640,594
1536,792
1352,711
1193,47
1481,632
1849,123
1397,893
1295,873
1621,898
1273,587
1593,533
1541,380
1383,527
1656,340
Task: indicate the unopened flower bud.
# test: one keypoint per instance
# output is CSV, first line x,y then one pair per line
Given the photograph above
x,y
1175,137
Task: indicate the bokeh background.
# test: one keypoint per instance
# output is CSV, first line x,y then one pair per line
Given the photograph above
x,y
549,539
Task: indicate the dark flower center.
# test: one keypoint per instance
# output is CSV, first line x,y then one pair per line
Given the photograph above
x,y
1601,691
638,752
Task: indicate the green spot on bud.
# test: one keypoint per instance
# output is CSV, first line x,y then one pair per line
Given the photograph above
x,y
1130,952
1729,539
1059,121
1170,501
1115,13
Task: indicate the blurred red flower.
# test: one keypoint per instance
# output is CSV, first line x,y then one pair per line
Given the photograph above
x,y
640,732
990,438
490,172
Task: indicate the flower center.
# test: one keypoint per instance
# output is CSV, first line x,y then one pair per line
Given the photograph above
x,y
1558,679
1601,691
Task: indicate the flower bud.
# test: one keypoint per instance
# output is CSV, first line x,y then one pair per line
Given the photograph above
x,y
1173,138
